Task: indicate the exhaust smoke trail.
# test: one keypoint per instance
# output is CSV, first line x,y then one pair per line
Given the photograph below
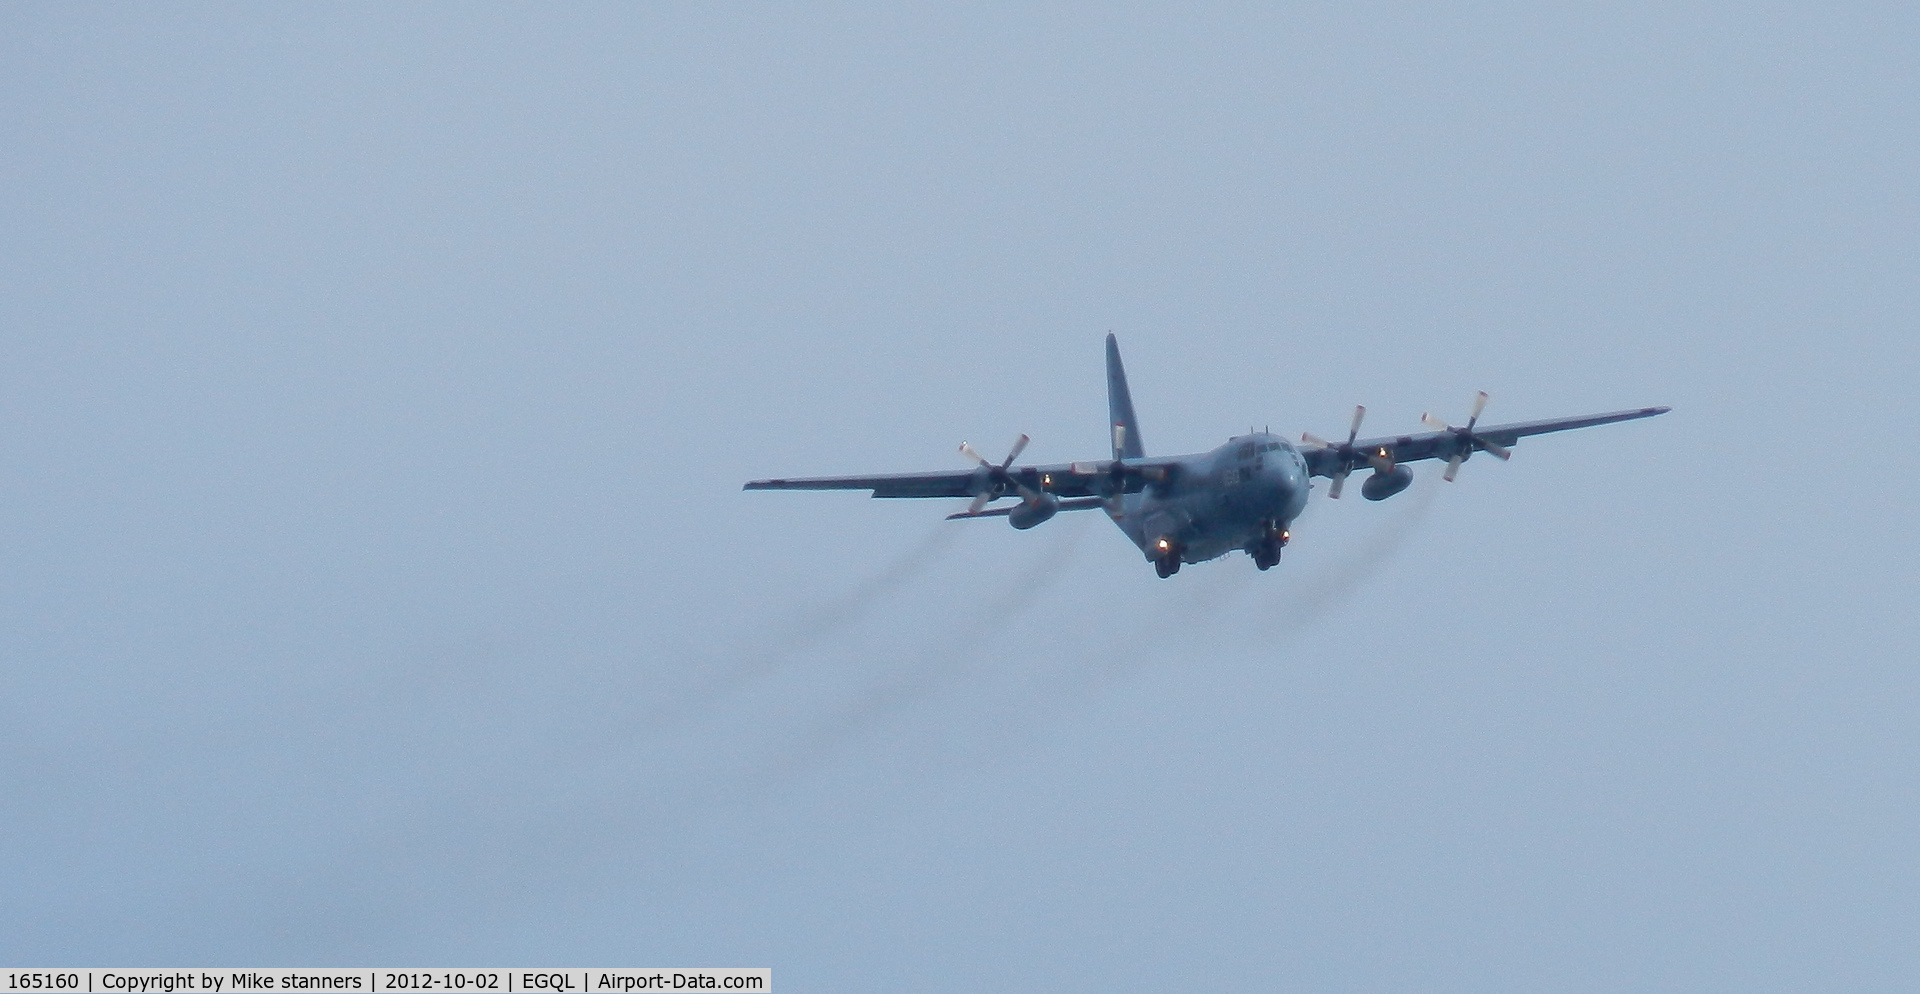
x,y
656,789
773,649
961,654
899,678
704,772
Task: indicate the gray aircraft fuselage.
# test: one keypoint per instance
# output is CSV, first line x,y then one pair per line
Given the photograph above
x,y
1236,497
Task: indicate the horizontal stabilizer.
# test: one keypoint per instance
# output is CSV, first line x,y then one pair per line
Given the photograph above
x,y
1078,504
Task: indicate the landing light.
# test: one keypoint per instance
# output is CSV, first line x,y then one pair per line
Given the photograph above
x,y
1163,545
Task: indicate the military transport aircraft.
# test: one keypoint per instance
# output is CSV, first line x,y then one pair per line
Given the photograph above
x,y
1189,509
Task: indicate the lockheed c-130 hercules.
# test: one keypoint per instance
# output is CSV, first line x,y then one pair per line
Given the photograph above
x,y
1188,509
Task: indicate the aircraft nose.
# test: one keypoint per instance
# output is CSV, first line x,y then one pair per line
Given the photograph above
x,y
1293,478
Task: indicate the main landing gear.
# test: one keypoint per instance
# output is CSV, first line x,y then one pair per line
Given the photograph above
x,y
1266,552
1166,558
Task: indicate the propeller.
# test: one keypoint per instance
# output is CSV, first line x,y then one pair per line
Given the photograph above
x,y
1348,457
998,479
1465,441
1113,475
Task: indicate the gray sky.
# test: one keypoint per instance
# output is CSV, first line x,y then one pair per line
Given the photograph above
x,y
376,386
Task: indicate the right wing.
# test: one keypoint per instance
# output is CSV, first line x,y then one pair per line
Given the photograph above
x,y
1445,444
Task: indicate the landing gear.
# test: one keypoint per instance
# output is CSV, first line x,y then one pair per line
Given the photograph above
x,y
1266,552
1166,557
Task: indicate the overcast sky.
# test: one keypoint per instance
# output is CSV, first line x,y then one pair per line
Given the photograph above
x,y
376,587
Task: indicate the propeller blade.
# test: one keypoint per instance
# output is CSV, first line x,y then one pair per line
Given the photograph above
x,y
1453,467
967,450
1314,440
1018,447
1339,480
1435,423
979,502
1354,431
1494,449
1479,404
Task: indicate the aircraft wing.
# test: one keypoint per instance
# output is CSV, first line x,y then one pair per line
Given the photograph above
x,y
1079,479
1446,444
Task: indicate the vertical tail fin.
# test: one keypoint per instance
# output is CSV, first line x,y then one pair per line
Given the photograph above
x,y
1126,431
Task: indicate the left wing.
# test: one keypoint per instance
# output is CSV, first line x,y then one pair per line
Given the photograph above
x,y
1453,441
1102,478
895,485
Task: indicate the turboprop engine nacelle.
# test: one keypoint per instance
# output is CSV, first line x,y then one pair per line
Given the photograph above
x,y
1029,513
1381,486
